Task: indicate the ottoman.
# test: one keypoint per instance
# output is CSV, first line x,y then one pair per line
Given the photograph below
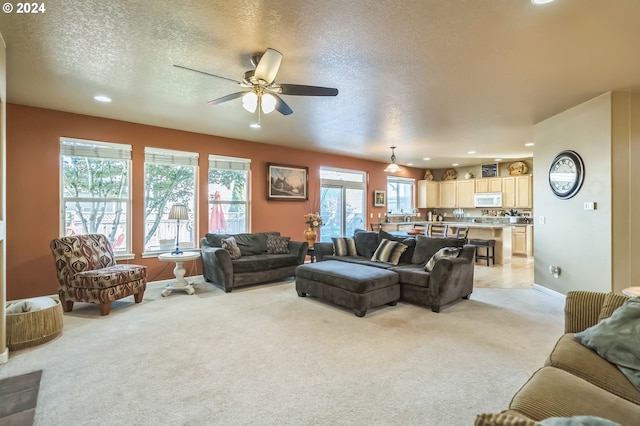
x,y
355,286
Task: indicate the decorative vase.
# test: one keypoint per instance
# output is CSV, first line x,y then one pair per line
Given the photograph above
x,y
310,235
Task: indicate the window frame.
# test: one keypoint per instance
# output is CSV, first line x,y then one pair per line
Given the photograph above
x,y
89,149
400,181
220,162
162,156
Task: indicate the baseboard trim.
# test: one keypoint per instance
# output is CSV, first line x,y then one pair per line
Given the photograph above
x,y
548,291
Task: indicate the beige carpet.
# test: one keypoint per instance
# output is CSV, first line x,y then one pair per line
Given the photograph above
x,y
262,355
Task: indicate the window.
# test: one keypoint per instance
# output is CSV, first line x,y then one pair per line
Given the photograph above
x,y
342,202
228,194
95,187
400,195
169,178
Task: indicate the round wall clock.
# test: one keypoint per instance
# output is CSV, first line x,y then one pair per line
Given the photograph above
x,y
566,174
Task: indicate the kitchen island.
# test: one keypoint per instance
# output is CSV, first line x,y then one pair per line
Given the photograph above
x,y
499,231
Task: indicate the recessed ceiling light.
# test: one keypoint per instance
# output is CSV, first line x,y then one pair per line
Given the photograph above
x,y
471,152
255,125
409,164
529,144
541,1
101,98
426,158
455,164
497,159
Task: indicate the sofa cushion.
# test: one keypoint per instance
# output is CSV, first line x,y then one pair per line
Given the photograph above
x,y
360,260
366,242
611,302
575,358
277,244
412,274
444,252
230,245
263,262
350,277
617,339
552,392
344,246
389,252
427,247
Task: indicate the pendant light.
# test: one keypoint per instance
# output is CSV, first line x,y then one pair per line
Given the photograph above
x,y
393,167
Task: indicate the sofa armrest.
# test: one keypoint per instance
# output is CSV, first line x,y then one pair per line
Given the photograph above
x,y
452,278
322,250
217,266
299,248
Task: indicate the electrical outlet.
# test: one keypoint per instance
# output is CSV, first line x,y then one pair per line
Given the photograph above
x,y
542,220
371,215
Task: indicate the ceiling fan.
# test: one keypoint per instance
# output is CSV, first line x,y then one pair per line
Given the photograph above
x,y
262,90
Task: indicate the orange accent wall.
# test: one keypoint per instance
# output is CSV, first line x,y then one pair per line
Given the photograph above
x,y
33,187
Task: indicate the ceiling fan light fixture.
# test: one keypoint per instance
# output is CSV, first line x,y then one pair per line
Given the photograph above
x,y
392,167
268,103
250,102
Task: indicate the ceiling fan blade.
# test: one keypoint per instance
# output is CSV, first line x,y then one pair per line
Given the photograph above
x,y
297,89
268,66
206,73
227,98
282,106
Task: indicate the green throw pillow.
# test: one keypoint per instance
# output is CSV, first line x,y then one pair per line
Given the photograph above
x,y
389,252
444,252
617,339
577,421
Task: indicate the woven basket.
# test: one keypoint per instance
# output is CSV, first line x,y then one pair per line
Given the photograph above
x,y
26,329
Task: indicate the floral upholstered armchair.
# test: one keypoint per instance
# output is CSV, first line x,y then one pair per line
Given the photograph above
x,y
87,272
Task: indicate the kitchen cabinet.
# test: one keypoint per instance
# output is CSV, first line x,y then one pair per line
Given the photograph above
x,y
428,194
524,198
464,193
489,184
522,240
508,192
448,194
516,192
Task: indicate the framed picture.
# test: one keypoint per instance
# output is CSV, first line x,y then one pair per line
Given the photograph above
x,y
490,170
289,183
379,199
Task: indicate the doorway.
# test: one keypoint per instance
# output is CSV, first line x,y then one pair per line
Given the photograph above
x,y
342,202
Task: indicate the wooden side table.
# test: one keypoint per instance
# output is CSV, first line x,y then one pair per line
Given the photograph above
x,y
179,271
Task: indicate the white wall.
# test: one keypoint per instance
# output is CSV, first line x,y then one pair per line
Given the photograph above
x,y
4,352
577,241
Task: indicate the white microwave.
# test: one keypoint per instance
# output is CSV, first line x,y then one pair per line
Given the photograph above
x,y
487,199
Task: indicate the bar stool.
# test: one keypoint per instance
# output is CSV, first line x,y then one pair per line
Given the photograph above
x,y
489,245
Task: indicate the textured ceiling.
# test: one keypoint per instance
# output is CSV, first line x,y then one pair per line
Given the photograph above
x,y
436,78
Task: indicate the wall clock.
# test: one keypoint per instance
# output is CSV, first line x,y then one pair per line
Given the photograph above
x,y
566,174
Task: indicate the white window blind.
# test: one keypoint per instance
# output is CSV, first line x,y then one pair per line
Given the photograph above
x,y
229,163
167,156
81,148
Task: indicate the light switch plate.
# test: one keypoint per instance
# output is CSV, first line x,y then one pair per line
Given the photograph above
x,y
542,220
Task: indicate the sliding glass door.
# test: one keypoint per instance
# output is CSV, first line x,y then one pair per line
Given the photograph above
x,y
342,202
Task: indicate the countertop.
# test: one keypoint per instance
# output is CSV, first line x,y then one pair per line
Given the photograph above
x,y
470,224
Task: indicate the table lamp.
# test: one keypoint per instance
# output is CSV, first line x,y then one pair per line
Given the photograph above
x,y
178,212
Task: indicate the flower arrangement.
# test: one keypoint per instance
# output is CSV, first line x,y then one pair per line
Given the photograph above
x,y
313,220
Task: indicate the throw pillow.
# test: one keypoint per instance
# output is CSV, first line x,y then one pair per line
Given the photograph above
x,y
277,244
503,419
577,421
444,252
617,339
344,246
230,245
389,252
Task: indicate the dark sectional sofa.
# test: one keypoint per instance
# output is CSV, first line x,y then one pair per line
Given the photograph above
x,y
255,265
450,279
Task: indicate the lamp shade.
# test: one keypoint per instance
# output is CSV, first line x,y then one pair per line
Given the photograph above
x,y
178,211
392,167
250,102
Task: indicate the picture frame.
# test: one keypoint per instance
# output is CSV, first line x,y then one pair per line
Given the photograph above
x,y
287,183
379,198
490,170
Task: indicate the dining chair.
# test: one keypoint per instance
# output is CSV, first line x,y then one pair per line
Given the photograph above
x,y
438,230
